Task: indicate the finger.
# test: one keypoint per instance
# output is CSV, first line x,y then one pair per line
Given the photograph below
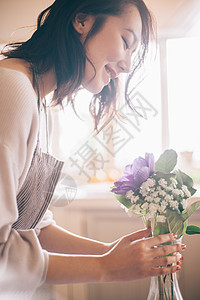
x,y
166,261
166,250
161,239
165,270
139,234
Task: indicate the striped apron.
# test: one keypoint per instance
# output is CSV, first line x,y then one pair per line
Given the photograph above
x,y
37,190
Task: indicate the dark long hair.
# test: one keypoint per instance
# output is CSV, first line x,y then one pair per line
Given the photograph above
x,y
56,45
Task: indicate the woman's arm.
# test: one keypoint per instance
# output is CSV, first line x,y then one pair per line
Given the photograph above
x,y
58,240
23,264
133,257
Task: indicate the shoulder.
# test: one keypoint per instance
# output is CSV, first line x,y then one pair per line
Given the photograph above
x,y
18,107
16,89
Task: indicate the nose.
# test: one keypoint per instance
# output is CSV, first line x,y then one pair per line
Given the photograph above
x,y
124,65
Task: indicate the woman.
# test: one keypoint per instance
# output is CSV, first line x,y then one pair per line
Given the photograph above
x,y
77,43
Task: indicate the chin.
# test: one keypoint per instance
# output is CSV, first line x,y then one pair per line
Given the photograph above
x,y
94,89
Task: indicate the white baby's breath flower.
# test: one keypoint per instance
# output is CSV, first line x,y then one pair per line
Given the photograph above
x,y
162,182
160,218
134,199
148,199
143,192
184,203
181,193
174,182
150,182
186,191
153,208
173,204
152,189
155,194
176,192
145,205
168,197
162,193
157,200
164,203
145,186
169,188
137,208
129,194
162,209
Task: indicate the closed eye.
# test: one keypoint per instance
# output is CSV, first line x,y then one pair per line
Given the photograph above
x,y
125,42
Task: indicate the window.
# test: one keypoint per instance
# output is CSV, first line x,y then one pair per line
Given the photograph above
x,y
184,102
104,156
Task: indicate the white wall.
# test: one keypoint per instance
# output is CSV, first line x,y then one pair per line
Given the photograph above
x,y
174,17
16,14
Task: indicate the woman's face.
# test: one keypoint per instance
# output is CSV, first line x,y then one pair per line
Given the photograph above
x,y
110,50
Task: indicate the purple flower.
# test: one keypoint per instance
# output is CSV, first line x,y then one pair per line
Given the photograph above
x,y
135,174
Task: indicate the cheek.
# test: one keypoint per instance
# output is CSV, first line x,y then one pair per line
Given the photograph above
x,y
105,48
89,72
114,50
114,56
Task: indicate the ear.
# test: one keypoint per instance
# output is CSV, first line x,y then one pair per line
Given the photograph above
x,y
83,23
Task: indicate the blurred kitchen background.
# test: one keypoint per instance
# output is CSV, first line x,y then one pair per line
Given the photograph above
x,y
169,100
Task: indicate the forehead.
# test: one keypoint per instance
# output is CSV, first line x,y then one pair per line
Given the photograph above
x,y
129,19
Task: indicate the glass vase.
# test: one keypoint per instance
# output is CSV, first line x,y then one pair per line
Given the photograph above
x,y
164,287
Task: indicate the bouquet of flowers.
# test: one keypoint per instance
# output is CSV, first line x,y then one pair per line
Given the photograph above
x,y
159,194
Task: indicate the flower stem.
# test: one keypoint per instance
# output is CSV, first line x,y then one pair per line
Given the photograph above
x,y
172,287
148,224
161,288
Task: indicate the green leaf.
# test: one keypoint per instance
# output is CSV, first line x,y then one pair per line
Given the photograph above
x,y
192,190
179,177
160,228
193,229
191,210
123,200
176,222
167,161
183,178
186,180
158,175
184,227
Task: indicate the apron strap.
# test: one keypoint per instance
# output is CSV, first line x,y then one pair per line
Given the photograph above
x,y
36,82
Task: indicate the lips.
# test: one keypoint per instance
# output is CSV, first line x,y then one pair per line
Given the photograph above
x,y
112,74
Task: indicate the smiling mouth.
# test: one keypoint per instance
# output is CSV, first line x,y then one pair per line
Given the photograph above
x,y
112,74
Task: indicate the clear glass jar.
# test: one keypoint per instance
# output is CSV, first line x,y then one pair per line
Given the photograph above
x,y
164,287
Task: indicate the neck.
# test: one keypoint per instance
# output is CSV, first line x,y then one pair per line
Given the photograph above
x,y
47,83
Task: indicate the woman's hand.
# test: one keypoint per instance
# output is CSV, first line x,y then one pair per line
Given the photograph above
x,y
133,257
